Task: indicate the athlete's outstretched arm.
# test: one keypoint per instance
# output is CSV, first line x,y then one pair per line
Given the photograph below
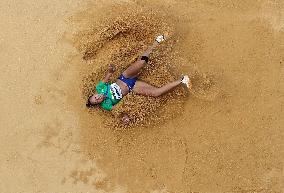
x,y
111,70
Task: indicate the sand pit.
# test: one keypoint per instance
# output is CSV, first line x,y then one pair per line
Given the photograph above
x,y
120,38
224,136
121,33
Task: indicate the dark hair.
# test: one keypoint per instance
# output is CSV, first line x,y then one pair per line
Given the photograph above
x,y
89,104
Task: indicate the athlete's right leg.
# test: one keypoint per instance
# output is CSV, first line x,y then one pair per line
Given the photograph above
x,y
135,68
146,89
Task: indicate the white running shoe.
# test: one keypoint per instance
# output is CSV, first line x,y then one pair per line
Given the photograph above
x,y
160,38
185,80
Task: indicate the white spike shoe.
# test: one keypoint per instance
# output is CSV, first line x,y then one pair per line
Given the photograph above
x,y
185,80
160,38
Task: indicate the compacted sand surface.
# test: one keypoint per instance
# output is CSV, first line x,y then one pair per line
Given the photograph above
x,y
224,135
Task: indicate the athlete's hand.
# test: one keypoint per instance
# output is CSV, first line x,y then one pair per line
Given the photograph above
x,y
111,68
125,118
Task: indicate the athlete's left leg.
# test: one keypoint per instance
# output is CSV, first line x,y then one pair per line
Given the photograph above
x,y
135,68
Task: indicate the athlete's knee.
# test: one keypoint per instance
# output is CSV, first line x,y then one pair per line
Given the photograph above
x,y
145,58
140,63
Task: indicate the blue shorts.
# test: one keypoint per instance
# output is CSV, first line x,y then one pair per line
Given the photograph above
x,y
130,82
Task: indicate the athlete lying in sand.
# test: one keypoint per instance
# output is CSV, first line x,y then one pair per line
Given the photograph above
x,y
109,95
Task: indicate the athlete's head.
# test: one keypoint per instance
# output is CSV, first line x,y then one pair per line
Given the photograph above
x,y
94,100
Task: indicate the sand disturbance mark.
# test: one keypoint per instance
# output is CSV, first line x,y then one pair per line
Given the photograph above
x,y
205,86
119,35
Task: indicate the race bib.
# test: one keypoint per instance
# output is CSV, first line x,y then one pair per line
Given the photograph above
x,y
116,91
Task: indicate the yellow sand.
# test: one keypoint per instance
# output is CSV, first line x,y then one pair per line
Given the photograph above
x,y
226,135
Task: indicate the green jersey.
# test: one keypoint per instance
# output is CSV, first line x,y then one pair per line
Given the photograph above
x,y
112,94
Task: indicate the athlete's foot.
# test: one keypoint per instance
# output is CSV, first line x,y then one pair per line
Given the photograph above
x,y
185,80
160,38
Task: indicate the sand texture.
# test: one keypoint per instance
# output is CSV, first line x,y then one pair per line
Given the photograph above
x,y
223,136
